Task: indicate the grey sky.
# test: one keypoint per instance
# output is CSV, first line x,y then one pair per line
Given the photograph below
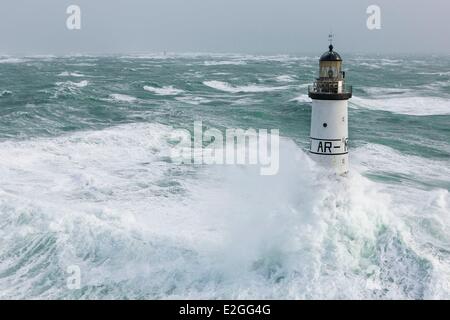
x,y
253,26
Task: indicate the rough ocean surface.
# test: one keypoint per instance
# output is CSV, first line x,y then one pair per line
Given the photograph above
x,y
86,180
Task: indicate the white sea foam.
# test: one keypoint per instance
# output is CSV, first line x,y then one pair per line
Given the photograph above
x,y
384,161
302,98
246,101
164,91
45,57
227,87
123,98
219,57
81,84
82,64
193,100
384,60
276,58
382,91
375,63
418,106
154,56
370,65
139,226
69,87
5,93
441,73
224,63
285,78
11,60
70,74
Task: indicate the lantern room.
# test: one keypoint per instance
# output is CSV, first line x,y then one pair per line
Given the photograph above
x,y
330,85
331,65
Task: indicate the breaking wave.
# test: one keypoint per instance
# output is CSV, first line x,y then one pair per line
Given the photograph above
x,y
71,84
285,78
5,93
71,74
164,91
193,100
225,86
302,98
417,106
12,60
139,226
224,63
69,87
122,98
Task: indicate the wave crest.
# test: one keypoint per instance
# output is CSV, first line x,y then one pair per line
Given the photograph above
x,y
225,86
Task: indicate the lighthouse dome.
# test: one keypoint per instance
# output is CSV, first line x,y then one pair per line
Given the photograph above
x,y
331,55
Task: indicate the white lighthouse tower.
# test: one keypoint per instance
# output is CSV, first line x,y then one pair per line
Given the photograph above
x,y
329,119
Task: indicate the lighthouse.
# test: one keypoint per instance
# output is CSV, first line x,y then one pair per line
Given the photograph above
x,y
329,118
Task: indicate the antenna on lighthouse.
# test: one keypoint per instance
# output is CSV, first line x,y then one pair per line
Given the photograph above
x,y
330,39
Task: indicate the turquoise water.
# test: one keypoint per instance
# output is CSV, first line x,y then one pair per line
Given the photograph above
x,y
86,180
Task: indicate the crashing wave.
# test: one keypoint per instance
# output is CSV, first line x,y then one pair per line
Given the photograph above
x,y
226,87
164,91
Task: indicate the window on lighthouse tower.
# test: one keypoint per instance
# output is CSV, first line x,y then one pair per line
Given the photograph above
x,y
330,73
330,69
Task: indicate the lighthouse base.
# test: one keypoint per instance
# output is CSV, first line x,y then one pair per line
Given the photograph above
x,y
337,164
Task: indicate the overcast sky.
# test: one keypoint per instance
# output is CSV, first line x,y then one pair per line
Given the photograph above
x,y
241,26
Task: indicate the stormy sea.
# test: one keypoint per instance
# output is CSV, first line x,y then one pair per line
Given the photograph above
x,y
87,183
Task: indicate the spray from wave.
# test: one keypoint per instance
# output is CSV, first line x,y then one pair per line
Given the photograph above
x,y
139,226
